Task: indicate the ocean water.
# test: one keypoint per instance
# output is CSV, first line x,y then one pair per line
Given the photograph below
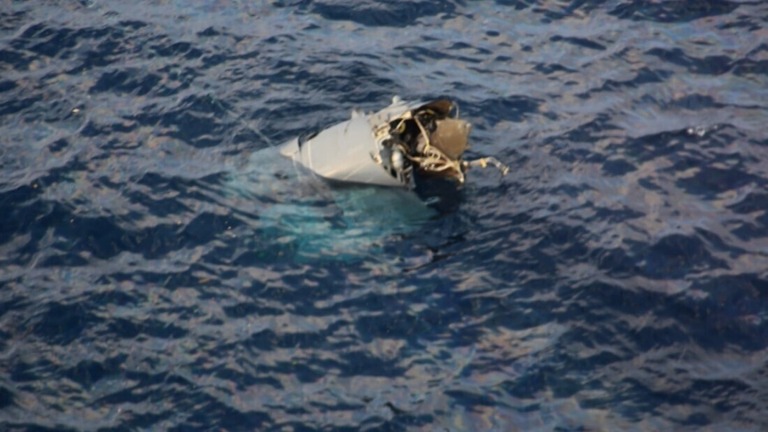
x,y
161,269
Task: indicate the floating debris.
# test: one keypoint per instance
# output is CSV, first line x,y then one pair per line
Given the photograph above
x,y
397,146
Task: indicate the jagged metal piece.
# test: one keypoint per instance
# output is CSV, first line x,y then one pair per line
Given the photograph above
x,y
391,147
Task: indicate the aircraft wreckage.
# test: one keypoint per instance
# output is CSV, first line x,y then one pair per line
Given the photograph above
x,y
399,146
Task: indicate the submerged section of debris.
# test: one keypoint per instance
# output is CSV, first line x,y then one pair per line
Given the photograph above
x,y
396,146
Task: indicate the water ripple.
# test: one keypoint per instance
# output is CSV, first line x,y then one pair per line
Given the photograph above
x,y
161,267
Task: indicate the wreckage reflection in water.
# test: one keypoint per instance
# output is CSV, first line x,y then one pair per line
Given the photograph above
x,y
301,215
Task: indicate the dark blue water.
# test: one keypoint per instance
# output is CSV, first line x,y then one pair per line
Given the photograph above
x,y
158,272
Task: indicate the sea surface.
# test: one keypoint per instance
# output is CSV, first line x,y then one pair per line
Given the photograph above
x,y
162,269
